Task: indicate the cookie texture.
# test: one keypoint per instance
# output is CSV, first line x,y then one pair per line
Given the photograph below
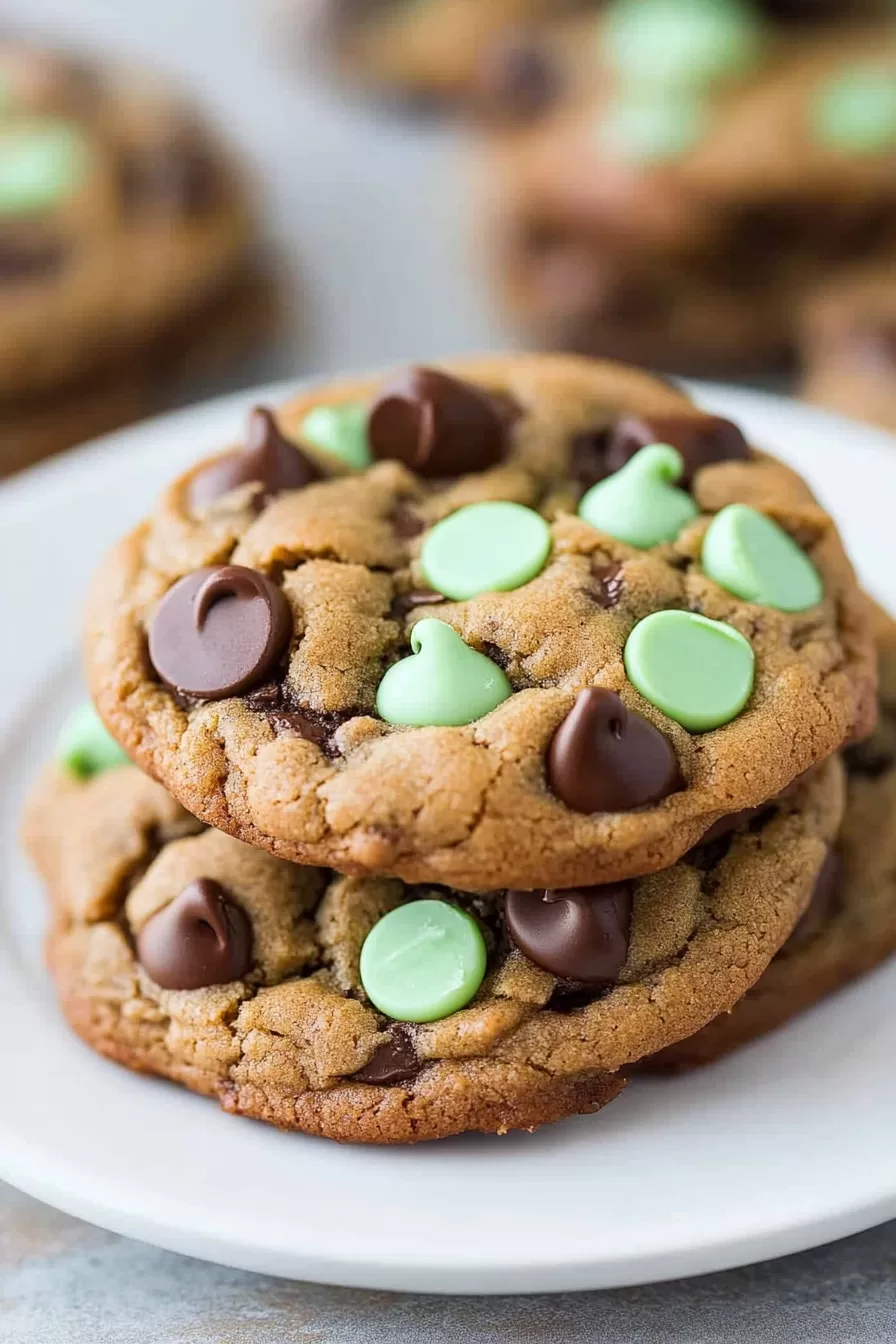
x,y
850,926
687,224
347,744
296,1041
121,219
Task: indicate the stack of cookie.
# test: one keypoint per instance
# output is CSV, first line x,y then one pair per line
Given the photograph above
x,y
126,250
699,176
497,713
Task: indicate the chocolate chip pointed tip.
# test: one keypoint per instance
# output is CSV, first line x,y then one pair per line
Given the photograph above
x,y
268,459
203,937
607,758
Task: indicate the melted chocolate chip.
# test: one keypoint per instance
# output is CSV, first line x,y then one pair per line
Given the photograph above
x,y
219,631
823,905
609,583
178,177
268,458
24,258
581,934
437,425
202,938
288,718
518,79
606,758
393,1062
701,440
406,602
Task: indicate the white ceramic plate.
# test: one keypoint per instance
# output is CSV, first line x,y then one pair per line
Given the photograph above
x,y
786,1145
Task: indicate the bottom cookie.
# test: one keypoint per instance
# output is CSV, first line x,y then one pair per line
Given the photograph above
x,y
367,1010
851,925
212,340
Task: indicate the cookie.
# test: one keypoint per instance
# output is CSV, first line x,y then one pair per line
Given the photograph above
x,y
121,219
679,202
447,673
369,1011
848,347
219,336
850,926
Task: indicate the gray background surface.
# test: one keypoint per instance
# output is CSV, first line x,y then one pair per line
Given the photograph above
x,y
371,219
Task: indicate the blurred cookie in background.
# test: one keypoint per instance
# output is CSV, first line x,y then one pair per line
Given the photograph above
x,y
422,52
701,172
849,344
125,239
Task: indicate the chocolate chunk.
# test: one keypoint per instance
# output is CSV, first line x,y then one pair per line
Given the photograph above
x,y
393,1062
606,758
518,79
202,938
580,935
608,586
701,439
823,905
437,425
219,631
406,602
23,258
268,458
178,177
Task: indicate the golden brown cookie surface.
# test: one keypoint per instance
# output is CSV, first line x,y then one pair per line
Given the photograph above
x,y
279,730
182,952
850,926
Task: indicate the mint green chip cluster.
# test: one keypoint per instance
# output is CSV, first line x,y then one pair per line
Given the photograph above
x,y
339,431
443,684
855,110
423,961
640,504
665,56
85,748
42,163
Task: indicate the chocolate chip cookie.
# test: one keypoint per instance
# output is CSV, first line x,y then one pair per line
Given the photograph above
x,y
533,638
692,184
370,1011
122,220
850,925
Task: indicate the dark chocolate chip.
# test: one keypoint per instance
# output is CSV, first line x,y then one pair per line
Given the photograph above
x,y
608,585
202,938
701,440
288,717
518,79
406,602
219,631
823,905
268,458
178,177
606,758
580,935
437,425
393,1062
23,258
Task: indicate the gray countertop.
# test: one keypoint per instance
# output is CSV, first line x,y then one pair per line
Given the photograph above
x,y
64,1282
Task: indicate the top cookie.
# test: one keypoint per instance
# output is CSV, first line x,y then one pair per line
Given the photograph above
x,y
483,677
120,216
